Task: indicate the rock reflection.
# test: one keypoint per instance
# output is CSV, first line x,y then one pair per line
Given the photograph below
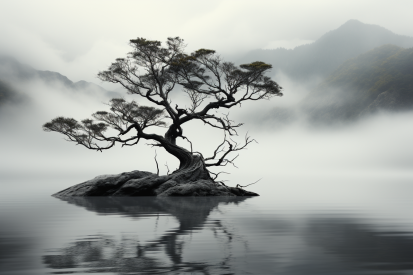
x,y
102,253
362,246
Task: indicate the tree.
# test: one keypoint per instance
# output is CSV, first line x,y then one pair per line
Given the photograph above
x,y
153,72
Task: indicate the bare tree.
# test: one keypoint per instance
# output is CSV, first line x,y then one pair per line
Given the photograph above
x,y
153,72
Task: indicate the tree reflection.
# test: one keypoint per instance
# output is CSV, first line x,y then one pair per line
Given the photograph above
x,y
14,244
102,253
357,243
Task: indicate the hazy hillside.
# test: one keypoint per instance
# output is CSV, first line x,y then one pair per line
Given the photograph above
x,y
326,54
381,79
358,80
7,94
12,71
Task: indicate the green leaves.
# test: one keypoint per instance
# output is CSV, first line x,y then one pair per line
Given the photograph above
x,y
141,42
257,65
202,52
189,62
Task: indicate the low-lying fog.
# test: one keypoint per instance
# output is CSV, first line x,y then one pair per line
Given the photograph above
x,y
373,149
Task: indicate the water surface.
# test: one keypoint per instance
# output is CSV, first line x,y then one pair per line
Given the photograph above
x,y
362,228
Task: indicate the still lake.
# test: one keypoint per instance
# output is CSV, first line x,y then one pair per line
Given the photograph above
x,y
311,227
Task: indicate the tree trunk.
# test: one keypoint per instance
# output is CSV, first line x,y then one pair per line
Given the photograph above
x,y
190,179
191,166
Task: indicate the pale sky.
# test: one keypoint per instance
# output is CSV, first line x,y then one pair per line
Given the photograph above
x,y
80,38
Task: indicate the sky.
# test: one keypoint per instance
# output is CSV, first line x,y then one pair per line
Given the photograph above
x,y
81,38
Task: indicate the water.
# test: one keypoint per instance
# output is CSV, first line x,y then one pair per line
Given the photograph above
x,y
307,228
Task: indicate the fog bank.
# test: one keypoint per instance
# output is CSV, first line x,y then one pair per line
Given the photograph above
x,y
374,149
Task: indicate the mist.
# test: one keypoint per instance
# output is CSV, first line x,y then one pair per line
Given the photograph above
x,y
292,155
331,159
80,39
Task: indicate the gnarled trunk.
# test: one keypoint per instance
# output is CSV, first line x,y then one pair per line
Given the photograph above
x,y
190,179
191,166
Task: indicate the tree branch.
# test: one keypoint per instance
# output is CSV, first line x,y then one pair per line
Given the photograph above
x,y
232,146
240,186
157,166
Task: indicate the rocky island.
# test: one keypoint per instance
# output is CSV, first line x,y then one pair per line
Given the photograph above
x,y
140,183
153,73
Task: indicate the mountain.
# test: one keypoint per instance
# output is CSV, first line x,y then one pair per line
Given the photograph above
x,y
84,85
381,79
326,54
12,71
8,94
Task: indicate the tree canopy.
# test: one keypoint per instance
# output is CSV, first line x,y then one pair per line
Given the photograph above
x,y
153,72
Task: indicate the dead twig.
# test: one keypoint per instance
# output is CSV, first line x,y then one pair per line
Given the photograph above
x,y
240,186
157,166
166,164
217,174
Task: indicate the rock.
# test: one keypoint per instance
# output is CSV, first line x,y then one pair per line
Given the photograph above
x,y
139,183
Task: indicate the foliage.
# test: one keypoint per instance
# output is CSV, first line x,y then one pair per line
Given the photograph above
x,y
153,72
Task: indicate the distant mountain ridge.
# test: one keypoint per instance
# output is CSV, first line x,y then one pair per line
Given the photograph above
x,y
381,79
362,74
326,54
12,71
8,94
